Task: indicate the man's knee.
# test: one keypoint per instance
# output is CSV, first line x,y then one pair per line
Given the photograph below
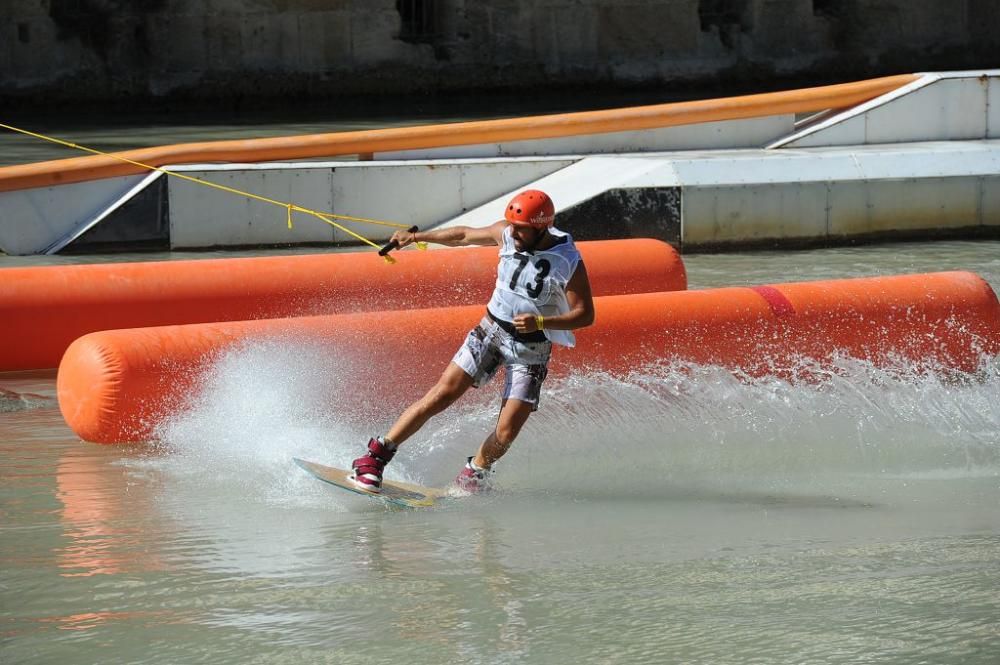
x,y
443,395
513,415
507,431
505,435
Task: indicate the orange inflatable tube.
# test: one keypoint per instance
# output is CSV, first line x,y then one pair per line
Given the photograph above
x,y
117,386
80,169
45,308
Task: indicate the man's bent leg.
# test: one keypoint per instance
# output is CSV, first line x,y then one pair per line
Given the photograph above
x,y
475,363
368,469
475,475
513,414
452,385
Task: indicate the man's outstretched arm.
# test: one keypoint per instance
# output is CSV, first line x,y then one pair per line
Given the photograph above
x,y
455,236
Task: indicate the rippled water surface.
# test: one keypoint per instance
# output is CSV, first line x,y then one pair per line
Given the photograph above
x,y
681,516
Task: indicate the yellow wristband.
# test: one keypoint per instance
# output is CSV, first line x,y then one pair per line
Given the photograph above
x,y
540,322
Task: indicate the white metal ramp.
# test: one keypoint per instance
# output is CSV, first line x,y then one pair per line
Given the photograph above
x,y
941,106
568,186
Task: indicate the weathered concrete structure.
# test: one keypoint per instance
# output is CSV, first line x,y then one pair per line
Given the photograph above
x,y
102,50
904,156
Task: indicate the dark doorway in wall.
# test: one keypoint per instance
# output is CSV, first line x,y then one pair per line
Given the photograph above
x,y
827,7
727,16
419,26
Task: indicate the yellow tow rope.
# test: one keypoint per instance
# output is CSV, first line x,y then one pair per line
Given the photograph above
x,y
327,217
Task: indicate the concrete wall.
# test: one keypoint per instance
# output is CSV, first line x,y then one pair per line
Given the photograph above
x,y
697,200
204,217
104,50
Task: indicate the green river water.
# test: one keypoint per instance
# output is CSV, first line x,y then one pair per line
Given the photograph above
x,y
682,516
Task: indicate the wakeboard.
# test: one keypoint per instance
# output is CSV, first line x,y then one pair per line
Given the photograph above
x,y
393,492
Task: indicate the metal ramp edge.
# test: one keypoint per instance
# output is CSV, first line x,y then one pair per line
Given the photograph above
x,y
584,179
88,224
904,115
46,219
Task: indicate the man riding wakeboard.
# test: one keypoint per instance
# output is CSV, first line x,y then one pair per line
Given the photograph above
x,y
542,293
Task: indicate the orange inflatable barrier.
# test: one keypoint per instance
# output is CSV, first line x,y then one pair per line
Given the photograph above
x,y
45,308
117,386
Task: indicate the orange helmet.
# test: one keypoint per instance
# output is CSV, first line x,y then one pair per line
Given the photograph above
x,y
531,208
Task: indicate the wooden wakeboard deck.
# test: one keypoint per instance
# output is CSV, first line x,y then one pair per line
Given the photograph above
x,y
398,493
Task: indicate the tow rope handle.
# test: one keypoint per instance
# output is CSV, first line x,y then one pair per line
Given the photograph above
x,y
392,244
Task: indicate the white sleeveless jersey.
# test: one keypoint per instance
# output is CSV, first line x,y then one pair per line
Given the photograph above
x,y
535,282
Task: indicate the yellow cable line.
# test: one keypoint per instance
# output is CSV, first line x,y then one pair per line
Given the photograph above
x,y
291,207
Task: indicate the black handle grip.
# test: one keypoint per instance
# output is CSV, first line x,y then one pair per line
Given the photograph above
x,y
392,244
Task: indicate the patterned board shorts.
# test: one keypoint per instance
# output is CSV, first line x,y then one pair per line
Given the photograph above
x,y
488,346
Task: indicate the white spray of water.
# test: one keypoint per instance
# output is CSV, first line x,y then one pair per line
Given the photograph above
x,y
692,427
663,429
257,407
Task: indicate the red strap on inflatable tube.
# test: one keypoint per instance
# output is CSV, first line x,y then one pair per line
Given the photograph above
x,y
780,305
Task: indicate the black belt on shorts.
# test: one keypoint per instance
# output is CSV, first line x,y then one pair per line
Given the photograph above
x,y
508,327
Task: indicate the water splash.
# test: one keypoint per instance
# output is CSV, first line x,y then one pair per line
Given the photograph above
x,y
11,401
695,427
674,428
258,406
